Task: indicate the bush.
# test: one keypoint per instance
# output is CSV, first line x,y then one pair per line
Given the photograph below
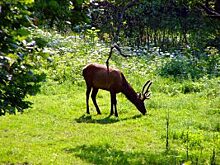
x,y
192,65
16,81
18,54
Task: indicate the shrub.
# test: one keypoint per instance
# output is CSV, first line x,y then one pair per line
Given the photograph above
x,y
192,65
18,54
16,81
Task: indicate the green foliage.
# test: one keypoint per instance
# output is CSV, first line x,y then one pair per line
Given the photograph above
x,y
191,65
169,25
17,81
67,55
62,15
17,57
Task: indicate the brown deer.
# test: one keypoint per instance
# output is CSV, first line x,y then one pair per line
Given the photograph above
x,y
97,77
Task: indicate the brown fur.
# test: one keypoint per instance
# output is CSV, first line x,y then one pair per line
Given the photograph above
x,y
98,77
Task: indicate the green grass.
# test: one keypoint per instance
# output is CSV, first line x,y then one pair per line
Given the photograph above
x,y
56,129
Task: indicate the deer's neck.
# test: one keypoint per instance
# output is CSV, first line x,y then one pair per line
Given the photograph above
x,y
130,93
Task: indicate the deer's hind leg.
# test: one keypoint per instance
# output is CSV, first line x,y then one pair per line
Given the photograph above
x,y
88,90
94,93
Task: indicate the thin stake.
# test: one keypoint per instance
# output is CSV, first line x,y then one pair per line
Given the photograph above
x,y
167,130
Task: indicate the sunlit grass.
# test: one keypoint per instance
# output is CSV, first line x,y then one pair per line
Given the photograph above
x,y
57,130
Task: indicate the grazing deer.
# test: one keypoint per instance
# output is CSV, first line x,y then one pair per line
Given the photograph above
x,y
97,77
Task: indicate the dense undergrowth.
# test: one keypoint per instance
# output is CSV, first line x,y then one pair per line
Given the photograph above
x,y
182,125
67,55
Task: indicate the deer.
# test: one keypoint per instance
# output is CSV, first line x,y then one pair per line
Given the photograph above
x,y
98,76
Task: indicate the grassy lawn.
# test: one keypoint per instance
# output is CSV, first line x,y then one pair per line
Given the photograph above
x,y
182,124
56,130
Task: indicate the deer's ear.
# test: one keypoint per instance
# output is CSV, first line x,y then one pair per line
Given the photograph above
x,y
138,95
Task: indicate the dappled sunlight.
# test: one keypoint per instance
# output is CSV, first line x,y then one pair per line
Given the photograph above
x,y
106,154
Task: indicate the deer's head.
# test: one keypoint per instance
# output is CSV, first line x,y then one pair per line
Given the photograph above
x,y
141,97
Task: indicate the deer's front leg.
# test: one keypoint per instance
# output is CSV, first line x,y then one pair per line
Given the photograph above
x,y
113,104
112,111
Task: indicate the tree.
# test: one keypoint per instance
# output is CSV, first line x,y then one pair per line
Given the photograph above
x,y
169,24
62,15
17,54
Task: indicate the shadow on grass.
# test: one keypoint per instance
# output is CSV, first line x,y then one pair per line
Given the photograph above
x,y
105,154
107,120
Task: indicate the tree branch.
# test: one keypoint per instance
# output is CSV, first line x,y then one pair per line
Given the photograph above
x,y
110,54
115,38
209,11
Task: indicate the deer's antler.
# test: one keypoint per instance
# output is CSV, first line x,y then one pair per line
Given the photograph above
x,y
146,93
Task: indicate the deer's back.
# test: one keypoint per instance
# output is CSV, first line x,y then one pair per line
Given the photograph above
x,y
97,76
